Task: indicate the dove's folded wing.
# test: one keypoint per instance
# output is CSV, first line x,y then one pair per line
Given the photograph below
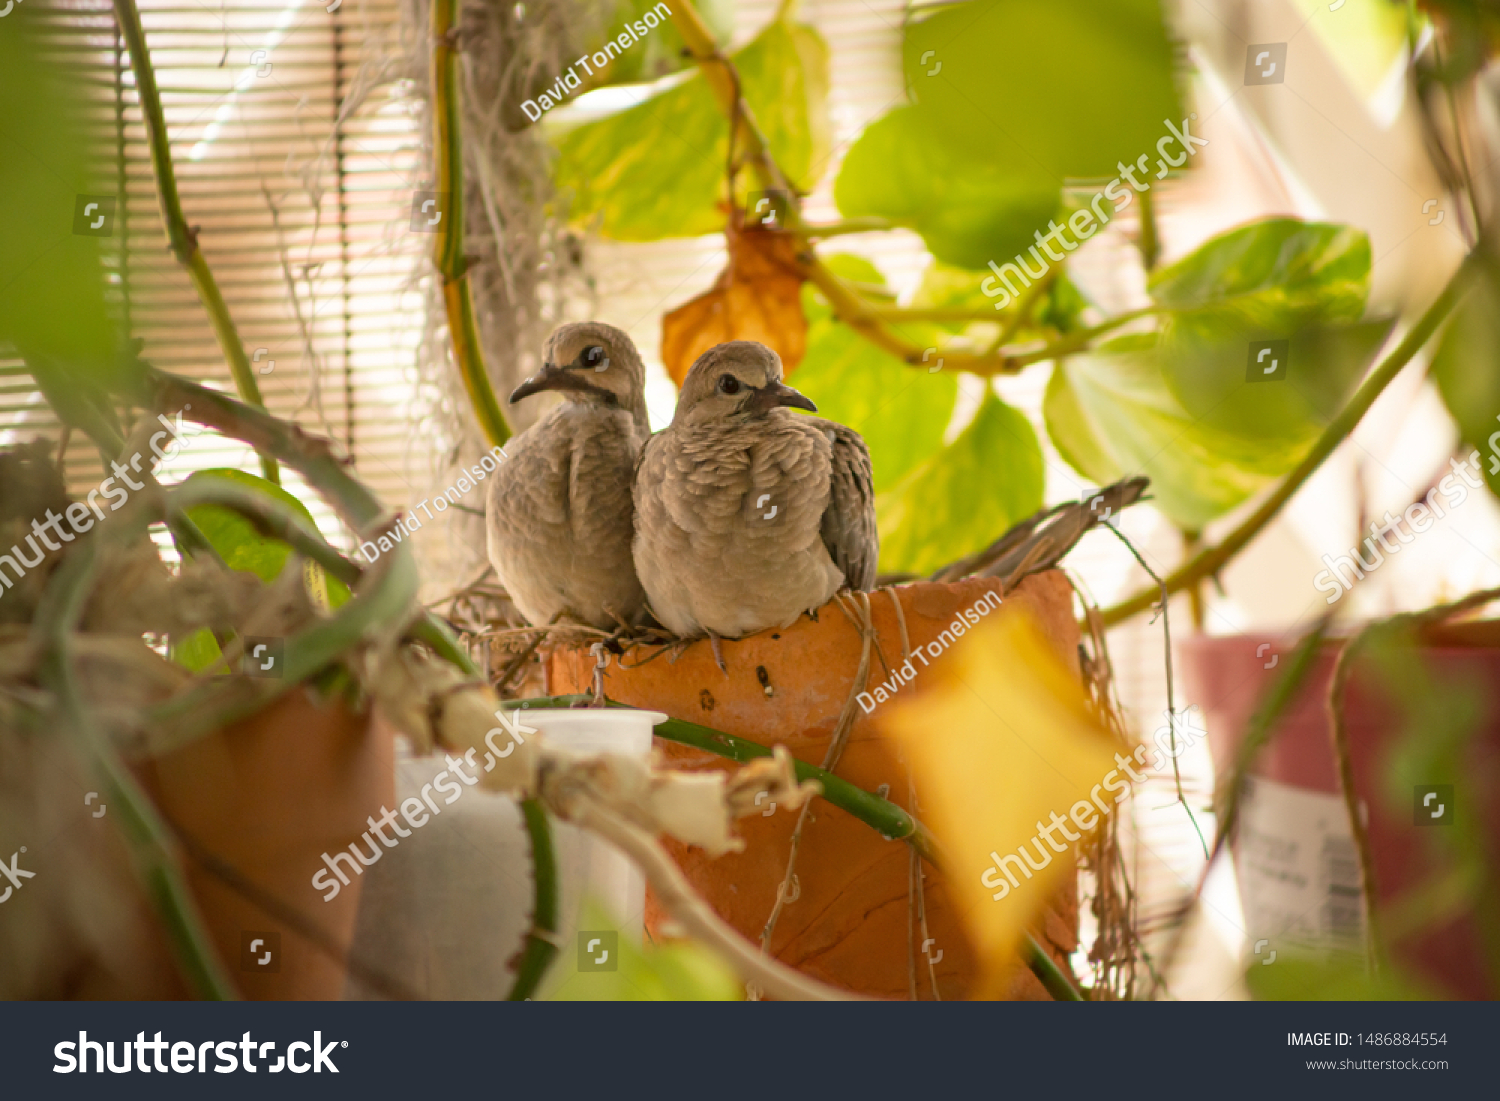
x,y
848,528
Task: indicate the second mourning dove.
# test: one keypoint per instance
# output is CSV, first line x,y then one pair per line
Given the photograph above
x,y
747,514
559,510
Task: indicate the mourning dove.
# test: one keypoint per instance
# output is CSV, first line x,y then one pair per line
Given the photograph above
x,y
559,514
747,514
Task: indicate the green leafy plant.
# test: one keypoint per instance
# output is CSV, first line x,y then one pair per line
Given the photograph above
x,y
59,314
1163,391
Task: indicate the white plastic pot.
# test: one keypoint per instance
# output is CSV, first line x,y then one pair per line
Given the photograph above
x,y
601,891
595,729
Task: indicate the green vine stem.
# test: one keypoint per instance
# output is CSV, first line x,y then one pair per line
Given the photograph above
x,y
148,837
448,243
847,226
273,518
1149,241
877,813
1213,559
541,942
1051,976
880,814
269,517
1261,726
183,238
382,603
385,593
1025,306
310,456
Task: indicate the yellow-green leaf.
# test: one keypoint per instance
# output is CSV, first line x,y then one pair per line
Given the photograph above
x,y
964,496
1071,87
969,210
1111,414
901,411
244,548
656,170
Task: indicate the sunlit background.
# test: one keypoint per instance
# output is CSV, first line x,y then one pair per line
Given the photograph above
x,y
298,143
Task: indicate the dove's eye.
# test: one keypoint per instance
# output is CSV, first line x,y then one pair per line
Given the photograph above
x,y
728,384
593,356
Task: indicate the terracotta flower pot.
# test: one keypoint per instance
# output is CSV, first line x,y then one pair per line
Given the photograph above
x,y
268,796
1299,879
848,922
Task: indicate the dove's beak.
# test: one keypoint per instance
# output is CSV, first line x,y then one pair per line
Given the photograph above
x,y
779,393
551,378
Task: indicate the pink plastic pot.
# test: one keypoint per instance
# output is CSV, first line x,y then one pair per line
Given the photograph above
x,y
1294,833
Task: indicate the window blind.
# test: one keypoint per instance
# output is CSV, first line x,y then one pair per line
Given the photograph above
x,y
301,215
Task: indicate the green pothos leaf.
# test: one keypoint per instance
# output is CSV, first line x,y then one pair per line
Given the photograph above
x,y
657,169
965,496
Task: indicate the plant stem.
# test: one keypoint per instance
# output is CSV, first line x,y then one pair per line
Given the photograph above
x,y
847,306
269,517
1262,724
1149,241
310,456
871,323
879,814
183,239
435,633
749,141
385,593
383,602
1025,304
541,941
448,245
148,837
1210,561
1051,976
898,314
1077,342
848,225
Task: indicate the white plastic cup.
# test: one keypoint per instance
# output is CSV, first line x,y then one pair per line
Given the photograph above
x,y
588,866
595,729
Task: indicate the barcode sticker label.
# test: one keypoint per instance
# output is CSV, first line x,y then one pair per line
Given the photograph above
x,y
1297,870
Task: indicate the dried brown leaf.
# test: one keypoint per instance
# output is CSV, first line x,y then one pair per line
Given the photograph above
x,y
758,296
